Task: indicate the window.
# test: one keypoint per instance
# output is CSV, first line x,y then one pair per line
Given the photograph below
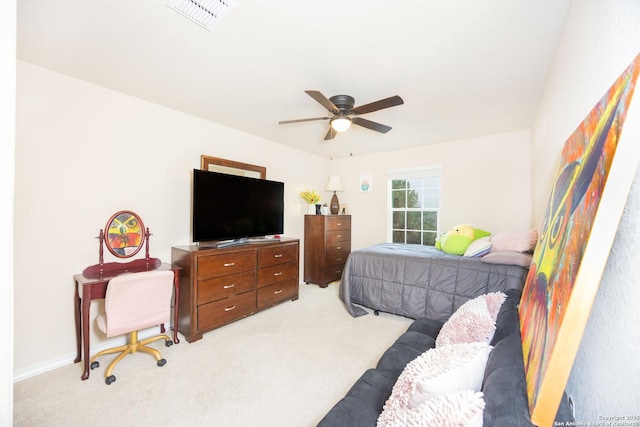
x,y
414,203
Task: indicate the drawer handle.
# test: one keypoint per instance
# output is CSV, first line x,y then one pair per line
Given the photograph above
x,y
338,259
339,223
279,291
229,264
339,235
339,271
278,255
229,286
339,247
230,308
278,273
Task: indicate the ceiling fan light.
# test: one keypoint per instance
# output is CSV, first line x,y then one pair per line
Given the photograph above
x,y
340,123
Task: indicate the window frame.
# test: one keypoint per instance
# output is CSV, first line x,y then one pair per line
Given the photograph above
x,y
408,174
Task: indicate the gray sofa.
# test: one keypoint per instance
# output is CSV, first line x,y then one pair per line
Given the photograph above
x,y
504,385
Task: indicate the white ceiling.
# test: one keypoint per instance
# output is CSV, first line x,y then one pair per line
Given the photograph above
x,y
464,68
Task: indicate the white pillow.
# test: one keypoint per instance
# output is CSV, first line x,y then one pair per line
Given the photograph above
x,y
463,408
479,247
439,371
472,321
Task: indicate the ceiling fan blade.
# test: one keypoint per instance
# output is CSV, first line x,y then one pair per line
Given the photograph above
x,y
378,105
370,125
284,122
331,133
322,100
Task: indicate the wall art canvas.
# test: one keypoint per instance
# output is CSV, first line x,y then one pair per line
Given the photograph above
x,y
579,226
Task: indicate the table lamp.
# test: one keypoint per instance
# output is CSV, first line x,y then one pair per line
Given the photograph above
x,y
334,184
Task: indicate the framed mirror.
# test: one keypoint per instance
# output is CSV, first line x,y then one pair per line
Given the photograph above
x,y
125,234
215,164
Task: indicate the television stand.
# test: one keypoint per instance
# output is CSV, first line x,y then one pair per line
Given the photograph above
x,y
222,285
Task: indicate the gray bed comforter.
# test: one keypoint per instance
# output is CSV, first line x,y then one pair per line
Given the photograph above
x,y
419,281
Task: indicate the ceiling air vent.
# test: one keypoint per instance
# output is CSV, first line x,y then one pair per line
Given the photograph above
x,y
204,12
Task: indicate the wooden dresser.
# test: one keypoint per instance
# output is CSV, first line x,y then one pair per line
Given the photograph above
x,y
221,285
327,244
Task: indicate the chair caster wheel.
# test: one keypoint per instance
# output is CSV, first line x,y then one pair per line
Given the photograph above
x,y
376,312
110,379
168,343
95,365
162,362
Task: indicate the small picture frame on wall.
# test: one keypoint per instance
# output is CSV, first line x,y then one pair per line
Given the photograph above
x,y
366,183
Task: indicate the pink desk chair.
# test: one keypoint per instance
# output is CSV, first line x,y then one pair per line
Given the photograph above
x,y
134,302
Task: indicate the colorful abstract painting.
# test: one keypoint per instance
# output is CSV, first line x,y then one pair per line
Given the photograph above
x,y
551,285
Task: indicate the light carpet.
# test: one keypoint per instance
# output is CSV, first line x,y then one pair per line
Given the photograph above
x,y
285,366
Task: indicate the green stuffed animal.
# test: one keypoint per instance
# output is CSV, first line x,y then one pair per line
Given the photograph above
x,y
458,238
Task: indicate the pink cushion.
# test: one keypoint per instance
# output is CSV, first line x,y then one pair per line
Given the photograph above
x,y
438,371
463,408
473,321
524,241
522,259
494,302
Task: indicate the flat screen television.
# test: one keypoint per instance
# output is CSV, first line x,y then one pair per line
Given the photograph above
x,y
235,208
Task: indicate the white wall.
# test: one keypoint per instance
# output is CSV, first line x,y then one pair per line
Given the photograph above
x,y
599,41
474,188
7,170
84,152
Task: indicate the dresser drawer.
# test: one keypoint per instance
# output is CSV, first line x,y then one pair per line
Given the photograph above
x,y
334,272
225,264
338,223
218,313
225,286
337,253
277,292
277,255
277,273
338,236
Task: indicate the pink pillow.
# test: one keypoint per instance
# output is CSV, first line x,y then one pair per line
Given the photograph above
x,y
508,257
438,371
463,408
494,302
473,321
514,241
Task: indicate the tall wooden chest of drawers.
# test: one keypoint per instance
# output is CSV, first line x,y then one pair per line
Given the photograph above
x,y
327,244
221,285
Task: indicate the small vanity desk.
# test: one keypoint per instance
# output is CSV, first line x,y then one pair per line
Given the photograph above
x,y
124,236
95,287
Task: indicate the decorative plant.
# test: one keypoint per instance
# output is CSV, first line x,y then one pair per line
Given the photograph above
x,y
311,197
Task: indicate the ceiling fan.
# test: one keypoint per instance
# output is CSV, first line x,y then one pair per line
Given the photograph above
x,y
343,114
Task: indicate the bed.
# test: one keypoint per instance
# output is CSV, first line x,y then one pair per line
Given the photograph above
x,y
419,281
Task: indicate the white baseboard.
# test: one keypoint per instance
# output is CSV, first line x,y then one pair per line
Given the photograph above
x,y
68,359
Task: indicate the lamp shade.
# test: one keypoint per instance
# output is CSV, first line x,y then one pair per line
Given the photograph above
x,y
334,183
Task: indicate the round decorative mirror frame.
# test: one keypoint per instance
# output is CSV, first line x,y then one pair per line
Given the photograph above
x,y
124,234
